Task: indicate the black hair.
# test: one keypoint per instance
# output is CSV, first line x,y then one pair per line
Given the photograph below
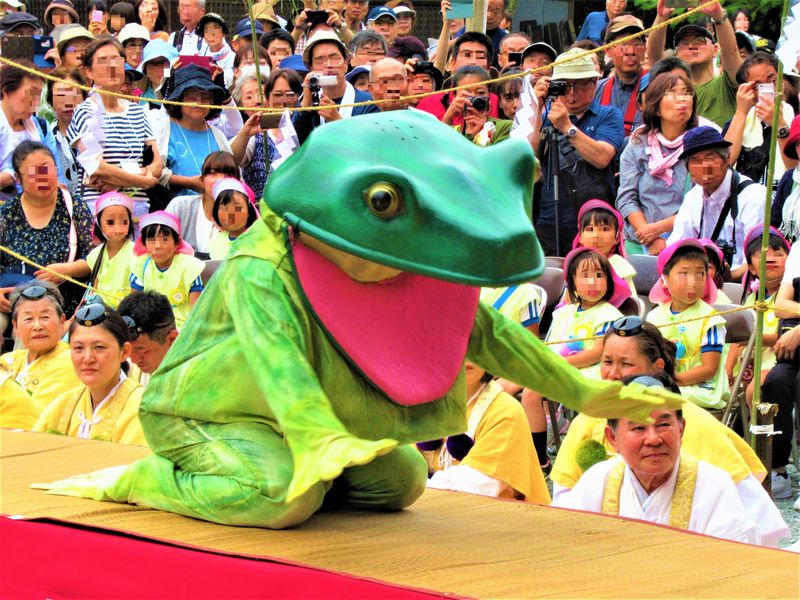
x,y
667,64
467,70
161,19
276,34
653,345
757,58
113,323
220,161
25,149
686,253
292,78
598,259
12,77
475,36
97,5
599,216
152,313
226,198
713,257
98,231
74,74
156,229
124,10
667,380
775,242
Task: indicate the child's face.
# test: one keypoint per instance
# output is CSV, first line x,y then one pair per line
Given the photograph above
x,y
115,223
590,283
776,263
161,247
686,281
233,215
117,22
600,237
212,34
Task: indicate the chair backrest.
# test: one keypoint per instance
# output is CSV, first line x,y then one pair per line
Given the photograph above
x,y
632,307
208,270
545,297
554,261
739,326
734,291
647,306
646,272
552,283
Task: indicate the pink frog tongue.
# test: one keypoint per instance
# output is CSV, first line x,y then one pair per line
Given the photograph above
x,y
407,335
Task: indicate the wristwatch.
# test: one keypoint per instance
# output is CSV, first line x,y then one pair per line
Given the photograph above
x,y
783,132
572,132
722,19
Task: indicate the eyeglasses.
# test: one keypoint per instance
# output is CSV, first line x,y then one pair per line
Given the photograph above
x,y
90,315
281,95
694,44
628,326
332,59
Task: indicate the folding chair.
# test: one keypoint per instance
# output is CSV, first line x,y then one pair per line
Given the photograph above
x,y
740,328
552,282
633,306
208,270
733,291
645,278
556,262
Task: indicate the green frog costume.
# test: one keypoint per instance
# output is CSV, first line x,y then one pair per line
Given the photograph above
x,y
334,335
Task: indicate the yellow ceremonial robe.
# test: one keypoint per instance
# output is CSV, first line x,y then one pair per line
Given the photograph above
x,y
16,408
45,378
116,419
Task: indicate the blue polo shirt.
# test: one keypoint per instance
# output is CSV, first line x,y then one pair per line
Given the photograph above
x,y
594,27
601,123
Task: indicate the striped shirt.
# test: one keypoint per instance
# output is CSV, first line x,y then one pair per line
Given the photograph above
x,y
124,135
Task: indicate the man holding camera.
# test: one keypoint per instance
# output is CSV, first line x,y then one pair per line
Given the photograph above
x,y
577,144
723,204
326,57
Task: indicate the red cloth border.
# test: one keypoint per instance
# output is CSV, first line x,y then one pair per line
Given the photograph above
x,y
48,559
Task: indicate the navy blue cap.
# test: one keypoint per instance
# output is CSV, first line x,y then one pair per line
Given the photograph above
x,y
244,28
702,138
356,73
295,63
13,20
381,11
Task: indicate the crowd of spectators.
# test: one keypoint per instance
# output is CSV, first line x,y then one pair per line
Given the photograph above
x,y
669,143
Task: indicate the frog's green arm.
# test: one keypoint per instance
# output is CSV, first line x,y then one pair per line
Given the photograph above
x,y
320,444
507,350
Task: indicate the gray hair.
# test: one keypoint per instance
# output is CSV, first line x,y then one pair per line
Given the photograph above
x,y
248,74
367,36
16,298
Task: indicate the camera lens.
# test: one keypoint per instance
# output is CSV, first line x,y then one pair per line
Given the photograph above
x,y
480,103
313,81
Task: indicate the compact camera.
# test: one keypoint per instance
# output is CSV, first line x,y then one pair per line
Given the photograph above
x,y
557,87
480,103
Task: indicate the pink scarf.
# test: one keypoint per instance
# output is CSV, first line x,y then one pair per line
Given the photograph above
x,y
660,165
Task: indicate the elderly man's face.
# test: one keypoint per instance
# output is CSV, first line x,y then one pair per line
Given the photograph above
x,y
708,169
615,8
580,94
355,10
494,14
511,43
189,13
368,54
649,450
388,81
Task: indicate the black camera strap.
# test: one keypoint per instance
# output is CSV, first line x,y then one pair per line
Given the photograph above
x,y
731,206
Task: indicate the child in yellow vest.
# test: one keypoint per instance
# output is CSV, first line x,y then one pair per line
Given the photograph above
x,y
106,405
595,291
600,227
234,212
777,253
114,227
684,316
166,264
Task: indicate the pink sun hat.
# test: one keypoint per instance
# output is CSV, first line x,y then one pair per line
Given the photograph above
x,y
113,198
161,217
660,294
622,290
233,184
619,246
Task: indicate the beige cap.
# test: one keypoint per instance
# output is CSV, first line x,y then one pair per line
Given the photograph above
x,y
133,31
577,68
627,24
72,32
263,11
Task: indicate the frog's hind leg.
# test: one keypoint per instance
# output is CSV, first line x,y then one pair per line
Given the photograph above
x,y
389,482
234,474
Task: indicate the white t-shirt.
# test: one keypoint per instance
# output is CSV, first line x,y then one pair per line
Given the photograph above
x,y
792,269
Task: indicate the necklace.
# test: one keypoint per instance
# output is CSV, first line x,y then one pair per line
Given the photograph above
x,y
189,147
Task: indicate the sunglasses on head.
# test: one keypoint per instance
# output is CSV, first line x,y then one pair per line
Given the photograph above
x,y
628,326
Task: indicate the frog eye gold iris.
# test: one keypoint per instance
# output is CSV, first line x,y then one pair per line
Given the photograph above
x,y
384,200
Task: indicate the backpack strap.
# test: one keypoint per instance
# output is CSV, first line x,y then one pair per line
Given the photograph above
x,y
73,233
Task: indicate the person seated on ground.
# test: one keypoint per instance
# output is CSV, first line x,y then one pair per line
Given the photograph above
x,y
495,456
41,370
685,292
708,208
106,405
653,480
152,331
234,212
634,347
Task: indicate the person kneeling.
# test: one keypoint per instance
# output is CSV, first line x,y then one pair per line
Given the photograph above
x,y
653,481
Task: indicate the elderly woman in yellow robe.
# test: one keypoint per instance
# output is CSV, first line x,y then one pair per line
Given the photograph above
x,y
32,377
106,406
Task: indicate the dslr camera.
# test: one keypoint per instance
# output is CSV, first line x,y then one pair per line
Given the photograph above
x,y
480,103
728,250
557,87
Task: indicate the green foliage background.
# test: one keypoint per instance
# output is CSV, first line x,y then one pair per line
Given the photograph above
x,y
757,9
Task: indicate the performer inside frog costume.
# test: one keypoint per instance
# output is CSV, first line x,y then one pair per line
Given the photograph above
x,y
334,336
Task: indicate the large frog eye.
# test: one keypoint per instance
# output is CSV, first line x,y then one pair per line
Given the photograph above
x,y
384,200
